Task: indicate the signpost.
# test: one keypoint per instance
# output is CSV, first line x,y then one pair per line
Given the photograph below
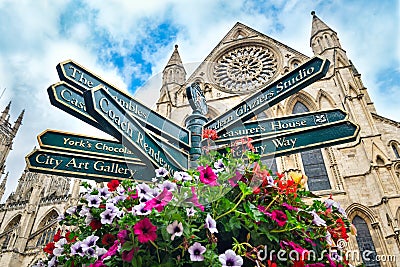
x,y
146,138
106,110
266,127
70,142
298,140
274,93
79,77
84,166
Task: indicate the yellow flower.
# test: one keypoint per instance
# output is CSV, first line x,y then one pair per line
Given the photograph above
x,y
298,178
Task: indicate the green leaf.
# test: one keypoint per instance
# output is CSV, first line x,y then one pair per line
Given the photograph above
x,y
128,245
244,188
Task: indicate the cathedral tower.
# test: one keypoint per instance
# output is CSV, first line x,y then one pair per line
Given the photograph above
x,y
174,76
7,134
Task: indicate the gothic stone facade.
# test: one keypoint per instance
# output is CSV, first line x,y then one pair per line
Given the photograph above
x,y
363,175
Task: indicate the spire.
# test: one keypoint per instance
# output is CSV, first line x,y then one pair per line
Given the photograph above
x,y
175,59
322,38
318,25
3,186
3,183
5,112
174,72
18,122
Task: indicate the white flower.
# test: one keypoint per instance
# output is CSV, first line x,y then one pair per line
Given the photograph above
x,y
211,224
175,229
170,186
190,211
161,172
182,176
71,210
229,258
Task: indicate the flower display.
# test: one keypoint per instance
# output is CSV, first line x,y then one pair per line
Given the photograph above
x,y
229,211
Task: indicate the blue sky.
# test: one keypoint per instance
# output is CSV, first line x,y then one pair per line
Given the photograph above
x,y
129,42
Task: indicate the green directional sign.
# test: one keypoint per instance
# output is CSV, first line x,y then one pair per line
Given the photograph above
x,y
299,140
289,84
79,77
102,106
70,100
265,127
86,167
71,142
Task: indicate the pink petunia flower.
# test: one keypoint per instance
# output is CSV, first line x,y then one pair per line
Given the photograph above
x,y
195,200
112,250
207,176
160,201
279,217
145,230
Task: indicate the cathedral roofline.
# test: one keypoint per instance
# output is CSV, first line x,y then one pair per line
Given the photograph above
x,y
384,119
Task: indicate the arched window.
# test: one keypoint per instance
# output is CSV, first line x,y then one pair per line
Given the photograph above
x,y
395,150
50,221
365,242
313,161
9,228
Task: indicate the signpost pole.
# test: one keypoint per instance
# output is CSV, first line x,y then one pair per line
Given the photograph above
x,y
194,123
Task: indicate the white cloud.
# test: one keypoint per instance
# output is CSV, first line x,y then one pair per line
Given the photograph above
x,y
36,35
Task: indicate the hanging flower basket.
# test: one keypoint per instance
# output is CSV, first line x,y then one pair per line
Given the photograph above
x,y
227,212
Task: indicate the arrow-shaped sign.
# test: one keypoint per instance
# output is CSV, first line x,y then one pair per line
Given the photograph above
x,y
299,140
106,110
266,127
76,75
289,84
71,142
70,100
84,166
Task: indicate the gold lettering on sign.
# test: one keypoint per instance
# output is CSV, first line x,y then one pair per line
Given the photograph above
x,y
80,77
48,160
67,95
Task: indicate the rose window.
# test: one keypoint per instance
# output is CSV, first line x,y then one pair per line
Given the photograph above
x,y
245,69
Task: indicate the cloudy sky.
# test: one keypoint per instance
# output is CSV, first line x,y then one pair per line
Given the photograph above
x,y
129,43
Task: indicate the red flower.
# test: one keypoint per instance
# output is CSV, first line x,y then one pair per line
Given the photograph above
x,y
210,134
57,236
49,248
207,175
272,264
279,217
299,263
68,237
256,190
95,224
145,230
108,239
112,185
